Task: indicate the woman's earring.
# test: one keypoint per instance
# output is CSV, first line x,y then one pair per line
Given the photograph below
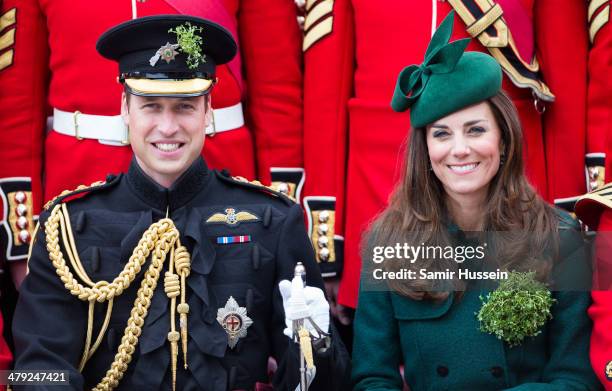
x,y
429,167
502,160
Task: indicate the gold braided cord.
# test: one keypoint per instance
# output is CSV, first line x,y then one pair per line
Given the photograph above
x,y
173,289
66,192
179,259
182,261
167,235
158,240
102,290
70,247
109,311
75,261
90,315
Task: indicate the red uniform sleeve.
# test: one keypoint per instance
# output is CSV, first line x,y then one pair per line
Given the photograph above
x,y
601,309
329,56
270,45
599,113
23,79
561,41
601,338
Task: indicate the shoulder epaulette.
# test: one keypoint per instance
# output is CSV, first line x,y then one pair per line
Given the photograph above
x,y
590,206
318,21
254,185
111,180
603,195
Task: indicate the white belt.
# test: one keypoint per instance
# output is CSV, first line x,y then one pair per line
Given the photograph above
x,y
111,130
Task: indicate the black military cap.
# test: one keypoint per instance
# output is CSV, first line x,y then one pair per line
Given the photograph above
x,y
167,55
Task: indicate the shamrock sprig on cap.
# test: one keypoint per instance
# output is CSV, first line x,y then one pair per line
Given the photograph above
x,y
190,43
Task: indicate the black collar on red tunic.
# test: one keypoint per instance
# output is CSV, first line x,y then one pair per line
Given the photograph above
x,y
183,190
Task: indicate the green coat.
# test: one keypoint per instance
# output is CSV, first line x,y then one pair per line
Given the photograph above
x,y
442,347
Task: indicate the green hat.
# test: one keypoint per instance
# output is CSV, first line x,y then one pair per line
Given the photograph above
x,y
447,80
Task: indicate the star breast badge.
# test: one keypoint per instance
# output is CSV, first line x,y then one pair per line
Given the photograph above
x,y
167,53
234,321
231,217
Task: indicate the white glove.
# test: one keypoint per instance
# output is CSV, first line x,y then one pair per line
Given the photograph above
x,y
310,375
316,307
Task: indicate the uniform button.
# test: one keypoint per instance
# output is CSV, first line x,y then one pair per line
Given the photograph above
x,y
283,188
24,236
324,254
20,197
323,241
442,371
322,229
22,222
497,371
21,210
323,216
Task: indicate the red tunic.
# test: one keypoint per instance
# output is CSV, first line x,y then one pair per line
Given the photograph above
x,y
599,114
601,309
595,208
6,357
53,64
353,140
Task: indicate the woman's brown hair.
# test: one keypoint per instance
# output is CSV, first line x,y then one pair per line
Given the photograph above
x,y
417,213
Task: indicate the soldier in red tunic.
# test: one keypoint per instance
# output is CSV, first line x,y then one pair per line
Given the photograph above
x,y
5,354
48,66
353,51
595,209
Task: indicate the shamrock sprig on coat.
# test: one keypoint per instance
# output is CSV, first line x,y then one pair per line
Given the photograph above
x,y
517,309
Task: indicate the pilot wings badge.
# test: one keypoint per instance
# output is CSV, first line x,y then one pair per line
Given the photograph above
x,y
231,217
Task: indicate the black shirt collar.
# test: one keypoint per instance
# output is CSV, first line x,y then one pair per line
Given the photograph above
x,y
182,190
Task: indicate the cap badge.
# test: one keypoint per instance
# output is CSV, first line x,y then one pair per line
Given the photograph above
x,y
231,217
234,321
167,52
609,371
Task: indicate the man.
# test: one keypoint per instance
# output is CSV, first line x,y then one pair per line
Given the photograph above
x,y
222,245
48,62
352,138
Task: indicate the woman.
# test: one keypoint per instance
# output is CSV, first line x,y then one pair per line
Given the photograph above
x,y
353,50
463,172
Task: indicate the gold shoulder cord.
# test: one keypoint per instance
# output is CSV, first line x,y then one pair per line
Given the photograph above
x,y
274,191
158,240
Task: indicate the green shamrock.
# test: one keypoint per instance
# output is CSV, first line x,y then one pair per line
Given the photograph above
x,y
190,43
518,308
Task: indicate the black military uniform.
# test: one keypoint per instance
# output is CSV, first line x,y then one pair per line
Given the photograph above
x,y
242,239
